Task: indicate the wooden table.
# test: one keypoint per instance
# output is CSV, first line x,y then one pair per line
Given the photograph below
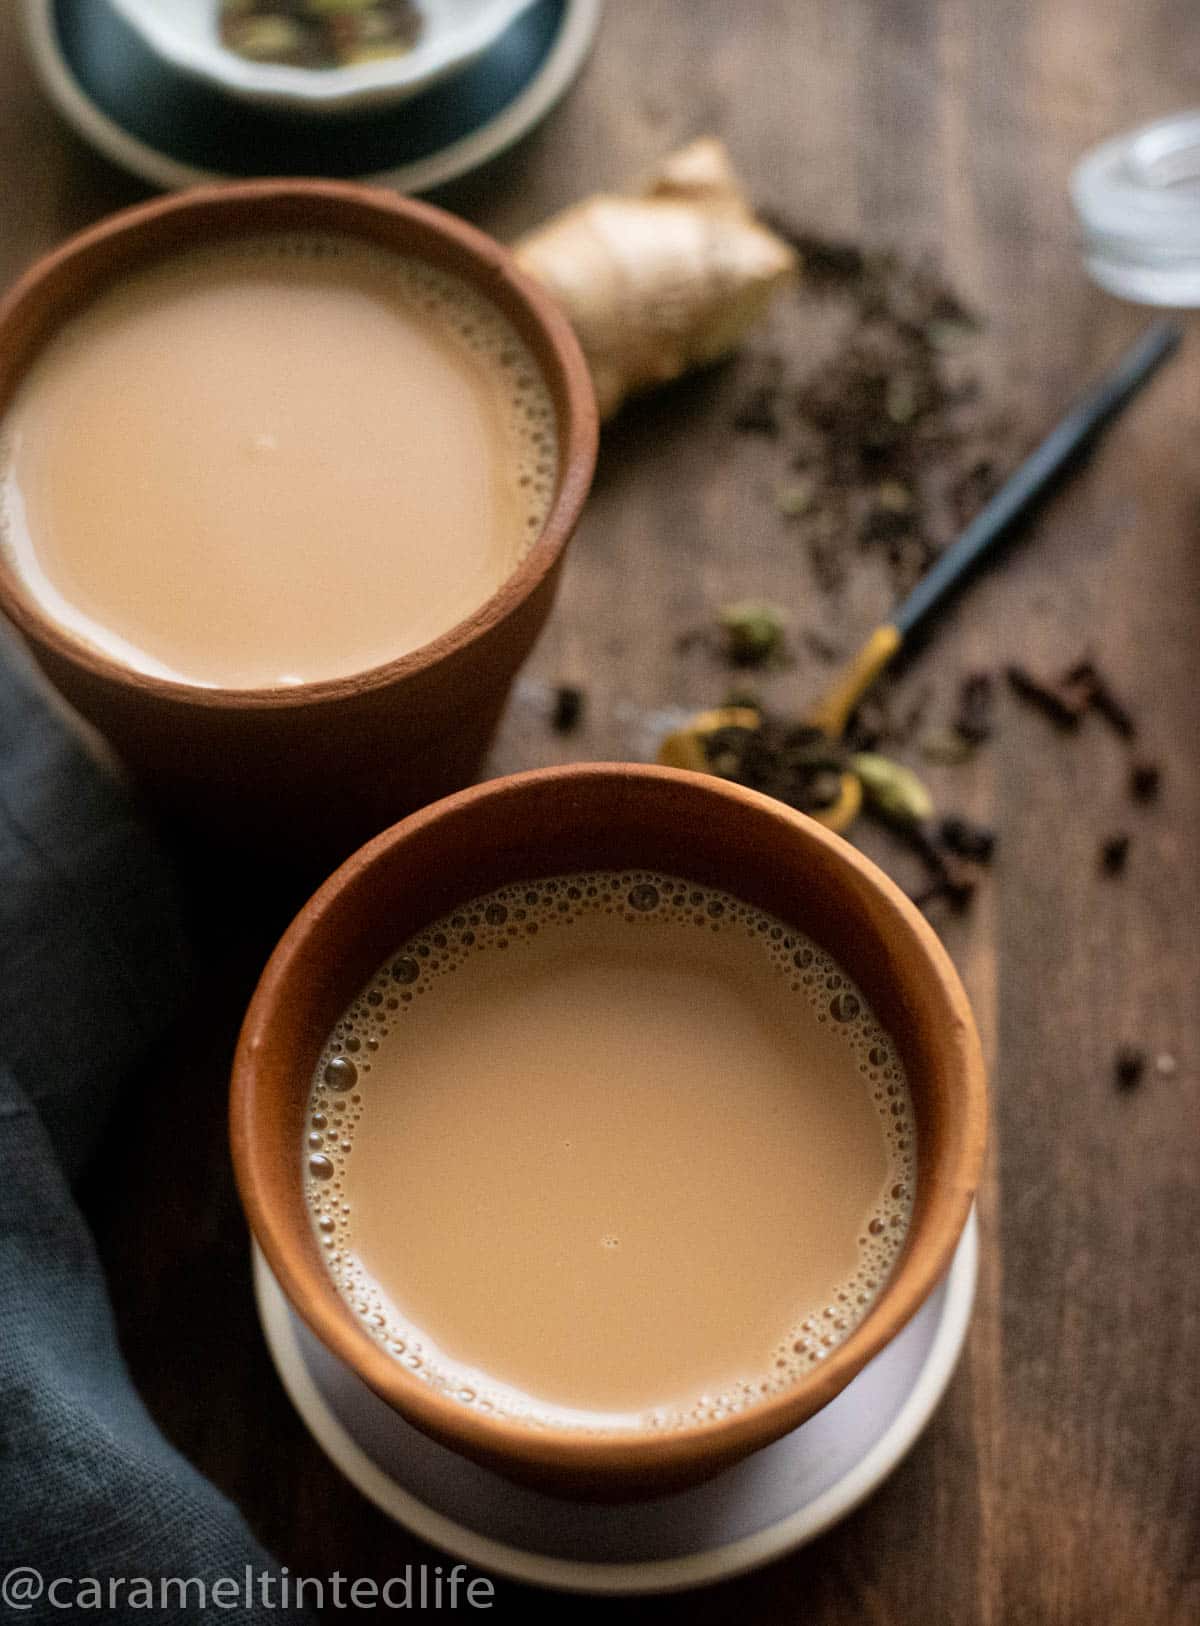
x,y
1058,1482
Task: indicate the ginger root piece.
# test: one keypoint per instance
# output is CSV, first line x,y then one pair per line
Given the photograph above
x,y
662,279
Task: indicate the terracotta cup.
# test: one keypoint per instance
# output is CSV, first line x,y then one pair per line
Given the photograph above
x,y
604,816
318,767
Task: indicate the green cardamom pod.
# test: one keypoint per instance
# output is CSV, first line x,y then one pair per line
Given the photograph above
x,y
754,633
892,789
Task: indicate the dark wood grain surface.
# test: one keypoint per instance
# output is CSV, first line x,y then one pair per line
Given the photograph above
x,y
1059,1481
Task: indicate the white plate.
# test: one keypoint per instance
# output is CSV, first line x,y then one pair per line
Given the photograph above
x,y
453,33
172,131
775,1501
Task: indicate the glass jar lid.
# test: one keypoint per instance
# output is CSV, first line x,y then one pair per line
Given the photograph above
x,y
1138,199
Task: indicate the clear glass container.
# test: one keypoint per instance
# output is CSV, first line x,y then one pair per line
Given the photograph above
x,y
1138,199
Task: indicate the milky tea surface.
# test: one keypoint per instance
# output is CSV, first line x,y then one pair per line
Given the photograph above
x,y
611,1150
275,460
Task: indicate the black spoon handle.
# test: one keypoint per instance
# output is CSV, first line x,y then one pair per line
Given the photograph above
x,y
1086,419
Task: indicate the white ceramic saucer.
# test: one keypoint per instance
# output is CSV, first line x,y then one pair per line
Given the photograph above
x,y
171,130
773,1502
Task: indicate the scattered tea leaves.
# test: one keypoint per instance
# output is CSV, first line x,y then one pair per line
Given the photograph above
x,y
895,443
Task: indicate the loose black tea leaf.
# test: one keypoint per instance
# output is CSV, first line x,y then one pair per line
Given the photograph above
x,y
949,877
1114,853
956,885
1129,1065
742,700
1063,705
1114,711
871,725
976,705
973,489
759,412
825,262
795,764
569,701
1083,687
822,647
974,841
1145,781
912,718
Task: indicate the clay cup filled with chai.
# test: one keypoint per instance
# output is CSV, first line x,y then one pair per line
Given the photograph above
x,y
286,474
606,1121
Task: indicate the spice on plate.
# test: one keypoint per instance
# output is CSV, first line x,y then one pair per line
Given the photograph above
x,y
319,33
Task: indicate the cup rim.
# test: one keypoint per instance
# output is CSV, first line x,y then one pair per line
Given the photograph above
x,y
625,1452
481,261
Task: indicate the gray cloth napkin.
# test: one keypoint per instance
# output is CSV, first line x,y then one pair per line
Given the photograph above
x,y
92,966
